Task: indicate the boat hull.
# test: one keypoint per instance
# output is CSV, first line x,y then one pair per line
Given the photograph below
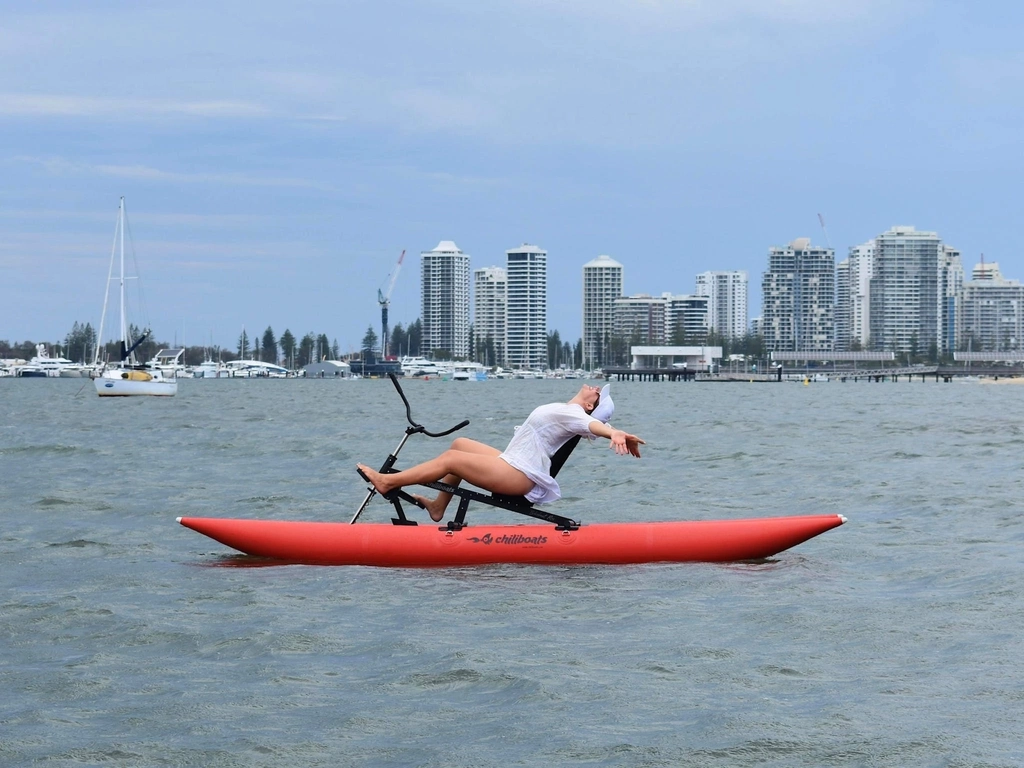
x,y
106,387
424,546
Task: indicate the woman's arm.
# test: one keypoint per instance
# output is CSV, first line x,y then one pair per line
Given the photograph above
x,y
622,442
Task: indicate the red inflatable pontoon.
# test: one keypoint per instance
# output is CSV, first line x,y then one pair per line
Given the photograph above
x,y
419,546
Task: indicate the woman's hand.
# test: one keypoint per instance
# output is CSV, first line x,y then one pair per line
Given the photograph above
x,y
623,443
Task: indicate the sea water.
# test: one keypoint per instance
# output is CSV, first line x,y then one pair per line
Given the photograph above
x,y
895,640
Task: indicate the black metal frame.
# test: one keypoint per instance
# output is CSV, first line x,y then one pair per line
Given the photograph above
x,y
517,504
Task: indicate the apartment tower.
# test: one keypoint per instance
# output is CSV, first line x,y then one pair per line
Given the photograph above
x,y
489,299
727,301
853,290
526,324
640,319
798,293
602,285
913,292
444,291
991,312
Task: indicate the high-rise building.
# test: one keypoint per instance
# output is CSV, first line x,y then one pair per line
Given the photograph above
x,y
990,316
686,319
844,306
727,301
912,293
640,319
444,290
489,299
951,282
526,324
853,290
798,293
602,285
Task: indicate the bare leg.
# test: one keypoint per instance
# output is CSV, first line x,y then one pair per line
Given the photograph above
x,y
436,507
485,471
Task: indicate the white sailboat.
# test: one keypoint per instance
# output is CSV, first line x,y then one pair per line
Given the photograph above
x,y
127,377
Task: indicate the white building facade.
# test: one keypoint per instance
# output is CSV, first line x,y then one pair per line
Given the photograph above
x,y
686,319
603,280
490,286
853,298
912,291
526,323
640,319
990,316
798,291
951,283
444,294
727,301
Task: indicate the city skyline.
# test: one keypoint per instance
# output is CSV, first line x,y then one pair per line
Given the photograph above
x,y
274,170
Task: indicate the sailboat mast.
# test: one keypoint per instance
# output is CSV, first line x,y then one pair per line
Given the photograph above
x,y
124,327
100,342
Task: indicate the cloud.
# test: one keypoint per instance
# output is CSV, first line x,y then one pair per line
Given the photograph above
x,y
59,166
57,105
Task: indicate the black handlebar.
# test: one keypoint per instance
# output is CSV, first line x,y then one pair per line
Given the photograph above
x,y
420,427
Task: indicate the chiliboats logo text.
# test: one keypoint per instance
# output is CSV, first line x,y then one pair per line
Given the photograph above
x,y
508,539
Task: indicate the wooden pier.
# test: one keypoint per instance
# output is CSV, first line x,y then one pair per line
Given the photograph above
x,y
944,373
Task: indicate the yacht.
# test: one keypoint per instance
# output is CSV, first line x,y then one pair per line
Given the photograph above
x,y
44,365
210,369
168,362
419,366
255,369
469,372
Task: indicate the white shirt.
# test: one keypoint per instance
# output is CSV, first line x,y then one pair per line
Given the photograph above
x,y
545,431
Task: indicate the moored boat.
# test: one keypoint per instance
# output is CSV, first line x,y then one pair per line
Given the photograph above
x,y
128,377
419,546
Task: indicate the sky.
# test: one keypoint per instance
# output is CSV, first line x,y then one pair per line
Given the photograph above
x,y
276,158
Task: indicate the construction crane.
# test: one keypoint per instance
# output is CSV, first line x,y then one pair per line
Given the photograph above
x,y
384,299
821,219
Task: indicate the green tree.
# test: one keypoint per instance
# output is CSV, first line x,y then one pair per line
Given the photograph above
x,y
80,343
288,348
368,350
243,345
554,348
306,349
269,346
399,344
323,347
679,338
618,347
415,337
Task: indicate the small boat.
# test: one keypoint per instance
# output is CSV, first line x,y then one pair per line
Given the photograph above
x,y
128,377
418,546
406,544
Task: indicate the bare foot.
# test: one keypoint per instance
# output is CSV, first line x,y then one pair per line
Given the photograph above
x,y
378,480
434,509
